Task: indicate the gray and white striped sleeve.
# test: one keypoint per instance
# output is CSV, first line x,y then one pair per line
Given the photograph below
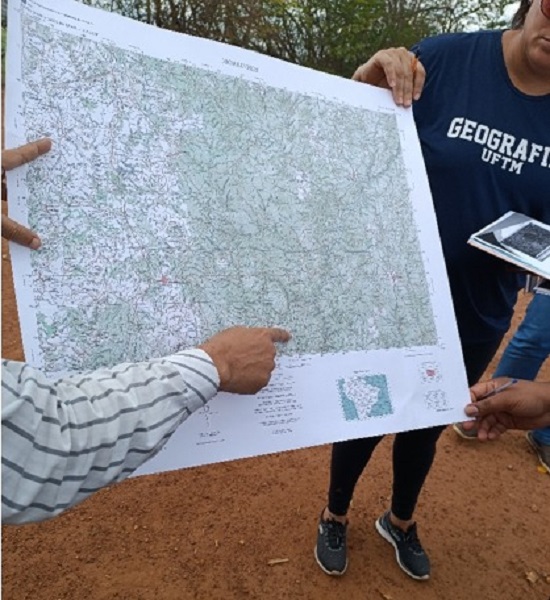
x,y
64,440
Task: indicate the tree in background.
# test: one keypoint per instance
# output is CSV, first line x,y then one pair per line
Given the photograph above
x,y
328,35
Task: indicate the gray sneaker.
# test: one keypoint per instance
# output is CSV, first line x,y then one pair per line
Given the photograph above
x,y
542,450
330,551
408,551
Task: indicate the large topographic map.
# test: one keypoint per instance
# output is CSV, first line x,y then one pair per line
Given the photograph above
x,y
187,192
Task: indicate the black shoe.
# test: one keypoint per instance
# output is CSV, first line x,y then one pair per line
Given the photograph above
x,y
408,551
330,551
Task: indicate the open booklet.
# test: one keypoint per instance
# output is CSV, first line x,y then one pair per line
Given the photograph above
x,y
518,239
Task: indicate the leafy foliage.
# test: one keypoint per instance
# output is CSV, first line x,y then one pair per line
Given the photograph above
x,y
329,35
4,39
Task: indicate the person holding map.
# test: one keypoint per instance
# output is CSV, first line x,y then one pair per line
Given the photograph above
x,y
63,440
482,111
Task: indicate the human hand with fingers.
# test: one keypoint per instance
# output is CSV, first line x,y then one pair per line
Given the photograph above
x,y
152,398
524,405
396,69
11,159
244,356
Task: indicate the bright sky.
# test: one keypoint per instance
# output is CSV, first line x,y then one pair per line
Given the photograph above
x,y
510,10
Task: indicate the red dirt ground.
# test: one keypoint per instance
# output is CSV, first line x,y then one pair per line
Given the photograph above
x,y
210,532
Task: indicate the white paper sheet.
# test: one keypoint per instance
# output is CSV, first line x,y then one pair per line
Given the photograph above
x,y
518,239
194,185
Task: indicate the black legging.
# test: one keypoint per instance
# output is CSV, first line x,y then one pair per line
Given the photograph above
x,y
413,452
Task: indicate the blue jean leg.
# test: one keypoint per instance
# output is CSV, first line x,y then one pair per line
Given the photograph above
x,y
529,348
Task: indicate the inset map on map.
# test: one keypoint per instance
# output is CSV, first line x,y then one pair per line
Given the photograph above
x,y
364,397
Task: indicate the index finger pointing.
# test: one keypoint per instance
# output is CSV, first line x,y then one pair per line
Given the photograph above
x,y
13,231
25,154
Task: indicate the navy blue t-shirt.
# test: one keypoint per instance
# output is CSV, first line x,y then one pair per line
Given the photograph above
x,y
486,146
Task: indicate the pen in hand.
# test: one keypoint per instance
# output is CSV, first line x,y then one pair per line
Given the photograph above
x,y
499,389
